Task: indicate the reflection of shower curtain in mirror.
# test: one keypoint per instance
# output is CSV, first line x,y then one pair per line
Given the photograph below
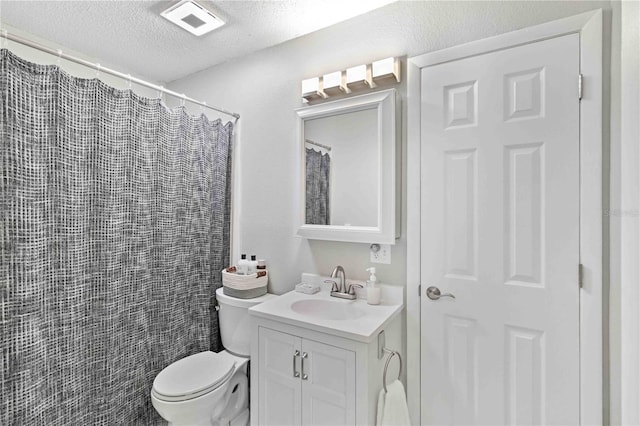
x,y
317,195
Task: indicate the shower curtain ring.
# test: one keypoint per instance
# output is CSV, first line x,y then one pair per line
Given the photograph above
x,y
160,92
183,100
129,79
98,68
59,57
5,36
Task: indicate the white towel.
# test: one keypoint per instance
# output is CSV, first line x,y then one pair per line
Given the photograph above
x,y
392,406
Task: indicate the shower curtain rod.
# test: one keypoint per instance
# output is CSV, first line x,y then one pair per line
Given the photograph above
x,y
5,34
327,147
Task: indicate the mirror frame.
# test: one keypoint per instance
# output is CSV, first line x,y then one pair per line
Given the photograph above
x,y
387,229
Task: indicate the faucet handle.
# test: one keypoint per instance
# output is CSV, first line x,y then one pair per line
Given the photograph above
x,y
334,286
352,290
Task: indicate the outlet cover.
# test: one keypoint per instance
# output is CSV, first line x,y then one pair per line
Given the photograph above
x,y
383,255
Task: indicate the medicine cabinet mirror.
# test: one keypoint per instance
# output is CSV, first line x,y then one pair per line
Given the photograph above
x,y
348,183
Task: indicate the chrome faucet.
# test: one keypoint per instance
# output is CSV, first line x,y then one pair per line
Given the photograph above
x,y
341,290
340,270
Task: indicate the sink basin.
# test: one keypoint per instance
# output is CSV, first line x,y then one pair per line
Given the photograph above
x,y
327,309
320,313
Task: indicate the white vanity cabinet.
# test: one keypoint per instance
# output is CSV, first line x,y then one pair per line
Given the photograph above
x,y
304,382
316,360
304,377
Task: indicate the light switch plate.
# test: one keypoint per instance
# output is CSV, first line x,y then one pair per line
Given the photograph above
x,y
383,255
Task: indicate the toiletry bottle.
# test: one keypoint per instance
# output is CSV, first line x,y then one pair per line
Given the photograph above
x,y
373,291
262,264
243,265
253,265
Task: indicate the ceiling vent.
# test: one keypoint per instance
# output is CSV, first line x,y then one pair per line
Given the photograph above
x,y
192,17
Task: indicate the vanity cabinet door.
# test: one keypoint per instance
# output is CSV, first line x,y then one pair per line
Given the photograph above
x,y
280,387
328,384
304,382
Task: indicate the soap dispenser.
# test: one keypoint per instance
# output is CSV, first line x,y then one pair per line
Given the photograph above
x,y
373,291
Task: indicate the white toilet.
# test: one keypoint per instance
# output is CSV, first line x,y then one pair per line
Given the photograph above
x,y
210,388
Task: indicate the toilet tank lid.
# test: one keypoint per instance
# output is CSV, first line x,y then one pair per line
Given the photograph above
x,y
193,374
223,299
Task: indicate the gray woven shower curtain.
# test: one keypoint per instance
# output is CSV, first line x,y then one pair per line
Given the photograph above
x,y
318,188
115,225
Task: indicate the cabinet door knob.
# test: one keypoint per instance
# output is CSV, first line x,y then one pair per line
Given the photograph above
x,y
302,358
296,373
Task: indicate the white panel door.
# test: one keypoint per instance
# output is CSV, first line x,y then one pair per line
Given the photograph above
x,y
279,378
328,385
499,231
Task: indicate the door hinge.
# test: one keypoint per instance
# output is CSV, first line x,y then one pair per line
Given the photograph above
x,y
580,86
580,275
419,290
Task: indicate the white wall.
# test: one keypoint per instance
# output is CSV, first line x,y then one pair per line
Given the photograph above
x,y
625,219
612,220
265,89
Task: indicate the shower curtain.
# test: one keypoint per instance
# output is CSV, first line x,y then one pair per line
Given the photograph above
x,y
318,169
115,225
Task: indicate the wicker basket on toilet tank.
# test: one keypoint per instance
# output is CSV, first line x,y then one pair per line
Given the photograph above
x,y
245,286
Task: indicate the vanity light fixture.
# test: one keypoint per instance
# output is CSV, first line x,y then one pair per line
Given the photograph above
x,y
354,79
192,17
312,89
358,78
386,71
332,83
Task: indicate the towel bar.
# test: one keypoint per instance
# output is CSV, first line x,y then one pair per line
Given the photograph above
x,y
386,365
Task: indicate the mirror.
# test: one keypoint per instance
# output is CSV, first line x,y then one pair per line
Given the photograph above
x,y
348,169
340,154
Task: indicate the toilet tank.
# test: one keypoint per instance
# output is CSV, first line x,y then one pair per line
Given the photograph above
x,y
234,323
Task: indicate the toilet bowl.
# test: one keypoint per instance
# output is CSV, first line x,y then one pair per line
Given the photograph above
x,y
202,389
210,388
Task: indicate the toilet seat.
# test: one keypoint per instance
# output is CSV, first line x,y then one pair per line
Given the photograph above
x,y
193,376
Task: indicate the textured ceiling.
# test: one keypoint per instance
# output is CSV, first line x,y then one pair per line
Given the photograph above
x,y
132,36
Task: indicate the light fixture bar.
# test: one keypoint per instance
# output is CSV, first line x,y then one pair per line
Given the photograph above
x,y
355,79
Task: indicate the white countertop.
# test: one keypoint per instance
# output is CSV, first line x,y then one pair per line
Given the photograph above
x,y
362,329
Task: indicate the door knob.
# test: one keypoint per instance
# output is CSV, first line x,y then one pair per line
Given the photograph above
x,y
433,293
